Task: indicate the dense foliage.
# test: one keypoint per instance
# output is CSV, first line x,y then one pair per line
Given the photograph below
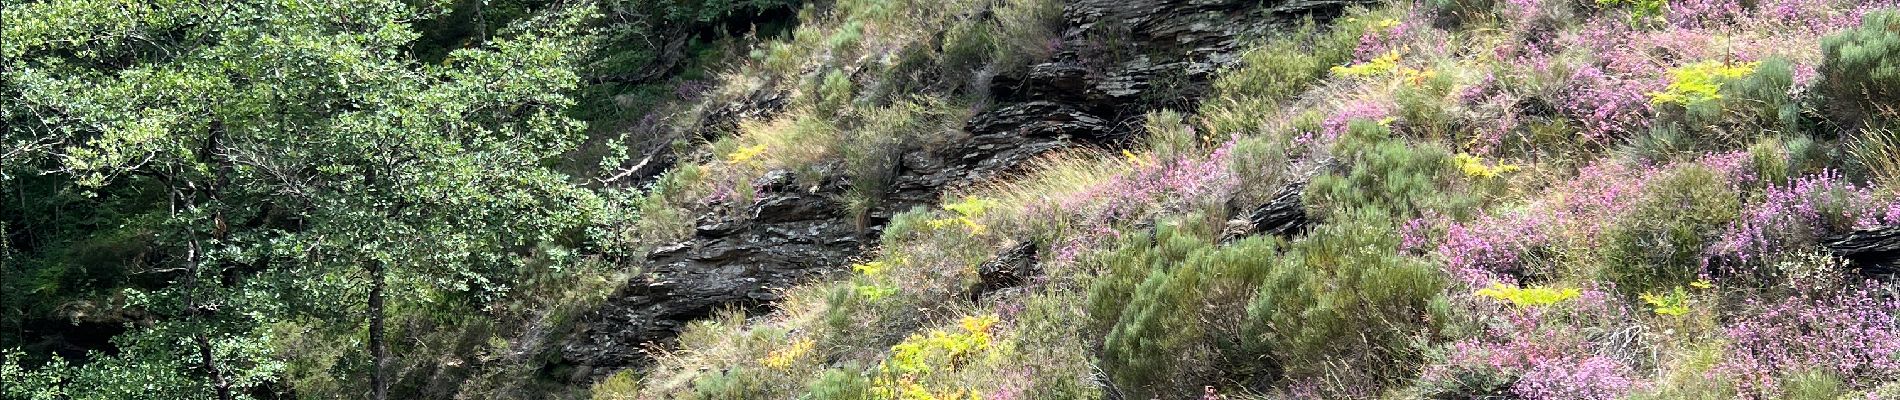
x,y
267,190
390,198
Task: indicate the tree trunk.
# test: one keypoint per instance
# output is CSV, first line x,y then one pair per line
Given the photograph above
x,y
217,376
379,379
193,311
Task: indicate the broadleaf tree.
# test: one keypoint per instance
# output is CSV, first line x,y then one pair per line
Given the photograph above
x,y
307,165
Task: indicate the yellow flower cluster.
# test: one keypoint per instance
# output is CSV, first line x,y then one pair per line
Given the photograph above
x,y
745,154
1675,302
867,287
922,354
1535,296
966,213
1377,66
783,358
1475,168
1700,82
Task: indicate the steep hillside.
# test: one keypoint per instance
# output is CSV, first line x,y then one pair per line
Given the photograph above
x,y
1452,199
950,199
790,220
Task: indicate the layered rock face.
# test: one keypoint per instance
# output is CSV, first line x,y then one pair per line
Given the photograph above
x,y
1870,252
1120,59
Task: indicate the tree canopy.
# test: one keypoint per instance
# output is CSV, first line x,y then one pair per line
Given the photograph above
x,y
278,155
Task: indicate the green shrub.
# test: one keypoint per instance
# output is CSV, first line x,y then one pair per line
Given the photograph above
x,y
1860,69
1660,242
1769,159
1692,375
872,150
833,93
1777,160
1046,332
1762,98
1639,10
1344,302
1131,263
1384,172
1263,160
733,384
968,45
841,384
1716,106
1162,340
1278,70
1659,145
1285,66
845,39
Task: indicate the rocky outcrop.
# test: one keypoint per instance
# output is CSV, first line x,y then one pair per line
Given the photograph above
x,y
1011,268
785,237
1283,216
1120,59
1869,252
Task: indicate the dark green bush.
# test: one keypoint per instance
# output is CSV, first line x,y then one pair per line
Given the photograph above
x,y
1384,172
1762,98
968,45
1345,302
1167,337
1131,263
1660,242
1860,70
1178,310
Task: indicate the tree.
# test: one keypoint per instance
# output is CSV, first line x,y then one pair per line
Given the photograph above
x,y
299,144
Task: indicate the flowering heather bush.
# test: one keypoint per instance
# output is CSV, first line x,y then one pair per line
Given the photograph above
x,y
1702,13
1335,125
1579,215
1854,335
1185,181
1385,36
1490,248
1790,217
1550,352
1593,378
1608,106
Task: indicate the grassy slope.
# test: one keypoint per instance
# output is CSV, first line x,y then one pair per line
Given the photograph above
x,y
1512,205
